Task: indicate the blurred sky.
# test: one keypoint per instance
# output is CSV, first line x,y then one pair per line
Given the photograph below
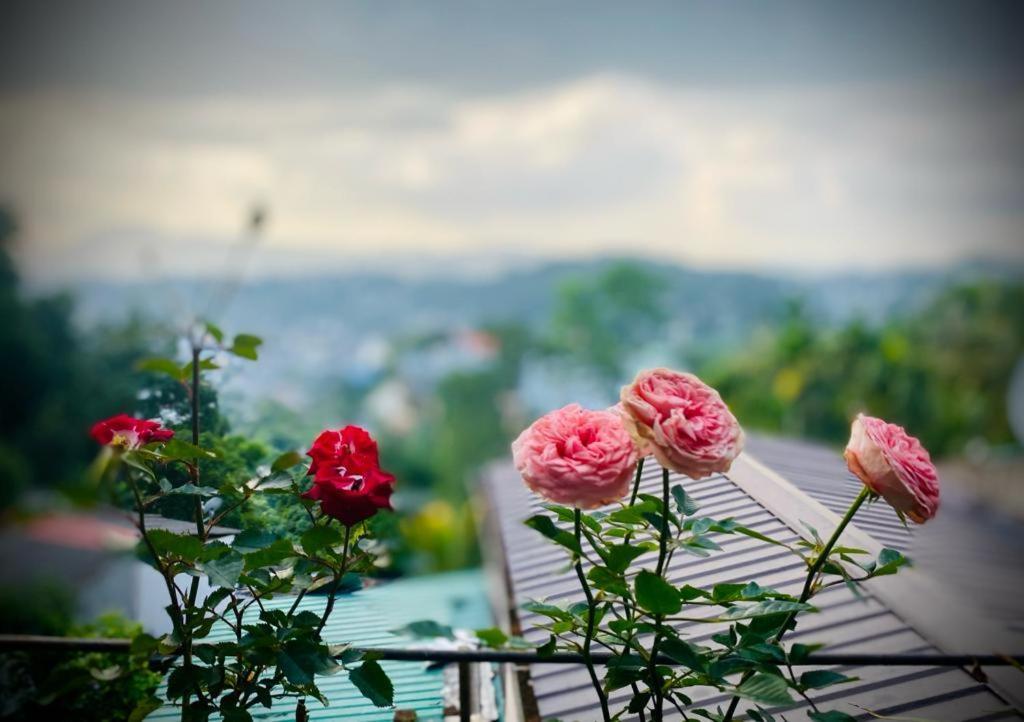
x,y
803,136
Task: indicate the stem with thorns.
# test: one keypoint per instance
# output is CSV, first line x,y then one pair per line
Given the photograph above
x,y
808,589
591,619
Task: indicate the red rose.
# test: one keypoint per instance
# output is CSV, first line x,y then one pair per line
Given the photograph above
x,y
347,478
346,452
352,499
128,432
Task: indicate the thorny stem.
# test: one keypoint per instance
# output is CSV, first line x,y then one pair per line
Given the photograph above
x,y
591,619
808,589
625,540
636,481
652,667
194,469
337,581
193,591
164,572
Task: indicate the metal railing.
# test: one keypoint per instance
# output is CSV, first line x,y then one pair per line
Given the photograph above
x,y
464,658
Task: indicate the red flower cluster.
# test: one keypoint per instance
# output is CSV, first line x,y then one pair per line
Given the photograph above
x,y
128,432
347,478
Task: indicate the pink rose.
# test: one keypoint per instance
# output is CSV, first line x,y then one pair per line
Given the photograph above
x,y
894,465
577,457
684,421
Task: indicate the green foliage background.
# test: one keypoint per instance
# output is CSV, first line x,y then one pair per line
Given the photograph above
x,y
942,369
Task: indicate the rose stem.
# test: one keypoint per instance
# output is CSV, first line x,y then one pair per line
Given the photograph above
x,y
625,540
591,618
652,665
636,482
337,581
193,590
809,582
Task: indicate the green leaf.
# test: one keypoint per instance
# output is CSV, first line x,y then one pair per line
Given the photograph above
x,y
182,450
425,629
686,504
320,537
655,594
145,708
547,610
286,461
251,540
818,678
271,555
628,515
215,331
370,679
618,677
179,681
619,557
346,654
727,666
547,527
766,689
293,669
548,648
205,364
831,716
301,659
763,609
727,592
492,637
799,653
688,593
279,482
889,562
605,580
638,702
683,652
183,546
161,366
225,570
135,460
747,531
245,346
568,515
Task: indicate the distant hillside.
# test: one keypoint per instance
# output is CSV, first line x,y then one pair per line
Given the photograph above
x,y
316,326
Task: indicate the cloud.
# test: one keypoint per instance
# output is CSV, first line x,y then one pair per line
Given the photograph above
x,y
809,177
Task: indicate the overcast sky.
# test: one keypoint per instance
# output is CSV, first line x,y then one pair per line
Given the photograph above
x,y
805,136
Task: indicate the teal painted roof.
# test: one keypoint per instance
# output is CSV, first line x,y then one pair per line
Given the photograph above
x,y
363,619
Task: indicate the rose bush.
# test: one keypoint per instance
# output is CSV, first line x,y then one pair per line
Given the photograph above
x,y
621,552
275,654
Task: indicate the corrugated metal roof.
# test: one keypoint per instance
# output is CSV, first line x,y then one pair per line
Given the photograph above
x,y
363,619
974,548
537,569
822,473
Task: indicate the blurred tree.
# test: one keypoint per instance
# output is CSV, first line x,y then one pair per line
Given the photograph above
x,y
598,321
944,372
53,384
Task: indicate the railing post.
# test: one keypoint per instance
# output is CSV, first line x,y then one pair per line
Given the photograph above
x,y
465,692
